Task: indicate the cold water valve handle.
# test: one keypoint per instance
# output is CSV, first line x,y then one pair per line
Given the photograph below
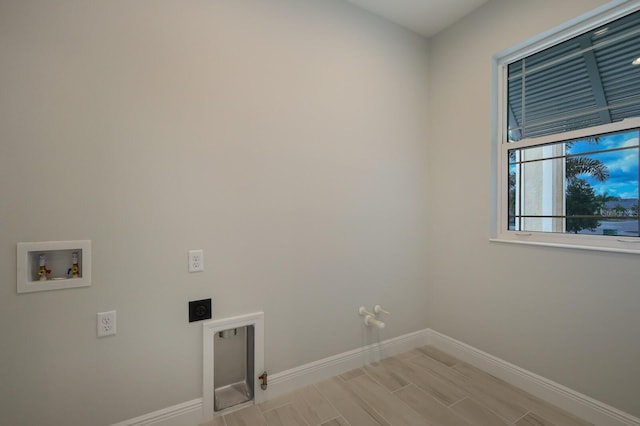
x,y
371,321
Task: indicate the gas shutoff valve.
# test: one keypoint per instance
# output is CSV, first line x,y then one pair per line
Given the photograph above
x,y
263,378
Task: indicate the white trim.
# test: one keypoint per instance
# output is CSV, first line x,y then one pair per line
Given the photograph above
x,y
582,24
561,396
603,129
192,412
295,378
209,330
186,414
566,245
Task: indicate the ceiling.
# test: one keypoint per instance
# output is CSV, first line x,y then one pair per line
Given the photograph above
x,y
426,17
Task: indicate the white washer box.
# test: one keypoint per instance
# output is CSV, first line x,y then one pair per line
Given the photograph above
x,y
59,260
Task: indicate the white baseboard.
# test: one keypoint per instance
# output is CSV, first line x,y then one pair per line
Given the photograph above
x,y
191,413
186,414
295,378
581,405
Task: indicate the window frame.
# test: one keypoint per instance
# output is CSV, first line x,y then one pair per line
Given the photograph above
x,y
500,165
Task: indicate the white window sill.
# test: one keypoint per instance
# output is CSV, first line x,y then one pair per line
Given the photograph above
x,y
572,246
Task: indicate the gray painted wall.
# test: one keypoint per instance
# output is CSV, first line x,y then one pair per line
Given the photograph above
x,y
285,138
288,140
568,315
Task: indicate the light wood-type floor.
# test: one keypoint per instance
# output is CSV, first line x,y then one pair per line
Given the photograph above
x,y
421,387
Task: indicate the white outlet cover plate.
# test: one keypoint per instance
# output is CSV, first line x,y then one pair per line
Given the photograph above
x,y
196,260
106,323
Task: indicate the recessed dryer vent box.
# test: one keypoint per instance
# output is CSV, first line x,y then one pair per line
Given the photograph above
x,y
53,265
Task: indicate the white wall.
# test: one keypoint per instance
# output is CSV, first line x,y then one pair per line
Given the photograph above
x,y
571,316
285,138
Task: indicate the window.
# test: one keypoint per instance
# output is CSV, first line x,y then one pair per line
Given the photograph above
x,y
568,126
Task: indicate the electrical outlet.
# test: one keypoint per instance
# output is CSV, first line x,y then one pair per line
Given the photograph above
x,y
199,310
196,260
106,323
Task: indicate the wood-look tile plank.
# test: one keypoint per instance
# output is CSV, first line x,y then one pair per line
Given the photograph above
x,y
286,415
424,382
491,385
533,420
307,401
440,370
477,414
351,374
499,403
277,402
474,373
313,407
434,412
250,416
549,412
409,354
386,377
349,405
555,415
217,421
336,422
445,392
390,407
438,355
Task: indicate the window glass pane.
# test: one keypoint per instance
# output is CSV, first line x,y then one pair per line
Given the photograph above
x,y
614,50
558,98
536,189
541,223
513,182
586,81
587,186
515,111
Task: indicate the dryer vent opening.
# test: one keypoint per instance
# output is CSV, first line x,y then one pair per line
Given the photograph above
x,y
233,358
233,363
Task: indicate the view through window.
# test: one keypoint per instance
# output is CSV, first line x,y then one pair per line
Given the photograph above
x,y
586,186
559,183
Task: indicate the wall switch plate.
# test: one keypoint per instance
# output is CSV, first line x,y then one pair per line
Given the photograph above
x,y
196,260
106,323
199,310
